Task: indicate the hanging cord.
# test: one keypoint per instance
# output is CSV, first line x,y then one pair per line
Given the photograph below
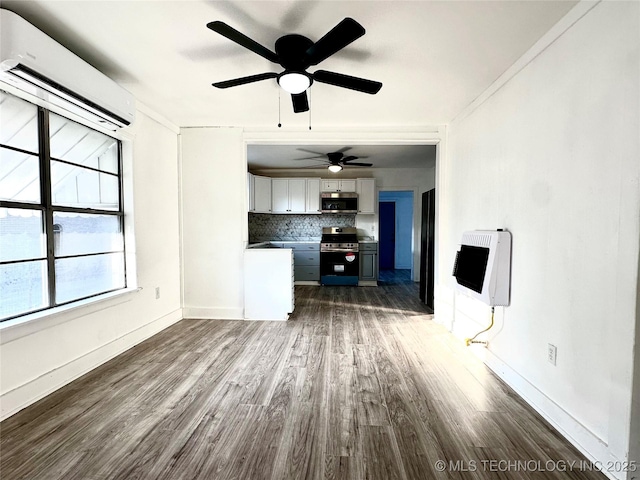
x,y
279,102
473,340
308,100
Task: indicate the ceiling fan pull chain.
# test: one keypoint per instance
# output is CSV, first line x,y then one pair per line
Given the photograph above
x,y
279,122
309,96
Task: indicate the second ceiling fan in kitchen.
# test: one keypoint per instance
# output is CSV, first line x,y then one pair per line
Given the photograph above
x,y
336,161
296,53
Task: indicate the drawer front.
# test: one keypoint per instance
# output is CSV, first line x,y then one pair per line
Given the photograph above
x,y
307,273
306,258
368,247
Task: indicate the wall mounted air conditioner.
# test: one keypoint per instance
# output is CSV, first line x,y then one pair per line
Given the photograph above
x,y
483,266
35,63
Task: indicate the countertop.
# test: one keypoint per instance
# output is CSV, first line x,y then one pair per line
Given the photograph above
x,y
266,243
367,240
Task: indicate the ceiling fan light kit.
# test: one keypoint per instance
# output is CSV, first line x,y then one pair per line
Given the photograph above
x,y
294,82
335,161
296,53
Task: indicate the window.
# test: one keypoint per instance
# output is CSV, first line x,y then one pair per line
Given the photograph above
x,y
61,212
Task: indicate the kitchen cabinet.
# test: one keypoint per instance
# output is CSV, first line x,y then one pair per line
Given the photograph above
x,y
366,190
269,288
368,264
251,204
288,195
338,185
306,262
259,194
313,195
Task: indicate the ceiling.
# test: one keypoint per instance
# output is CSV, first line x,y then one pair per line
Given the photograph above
x,y
433,57
265,157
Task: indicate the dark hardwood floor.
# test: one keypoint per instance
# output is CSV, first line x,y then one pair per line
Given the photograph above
x,y
359,384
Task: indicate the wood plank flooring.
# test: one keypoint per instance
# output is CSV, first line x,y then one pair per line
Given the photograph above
x,y
358,384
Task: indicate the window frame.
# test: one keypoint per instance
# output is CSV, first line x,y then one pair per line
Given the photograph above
x,y
48,209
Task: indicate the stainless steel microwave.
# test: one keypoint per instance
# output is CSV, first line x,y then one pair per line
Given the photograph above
x,y
339,202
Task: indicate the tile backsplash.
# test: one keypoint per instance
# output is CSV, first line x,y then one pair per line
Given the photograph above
x,y
264,227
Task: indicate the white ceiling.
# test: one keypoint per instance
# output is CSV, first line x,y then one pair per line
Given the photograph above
x,y
264,157
433,58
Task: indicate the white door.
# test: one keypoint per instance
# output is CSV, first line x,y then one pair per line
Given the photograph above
x,y
297,195
280,195
313,195
261,194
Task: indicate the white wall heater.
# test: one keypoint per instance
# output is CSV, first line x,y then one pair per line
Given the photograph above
x,y
483,266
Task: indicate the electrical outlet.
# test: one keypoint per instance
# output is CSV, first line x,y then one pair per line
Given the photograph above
x,y
157,293
552,353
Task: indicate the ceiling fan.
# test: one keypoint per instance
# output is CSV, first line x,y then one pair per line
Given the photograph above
x,y
336,160
296,53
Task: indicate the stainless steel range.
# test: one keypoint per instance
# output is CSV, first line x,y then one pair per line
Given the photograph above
x,y
339,256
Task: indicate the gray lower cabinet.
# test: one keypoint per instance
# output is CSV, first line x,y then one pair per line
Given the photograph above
x,y
369,262
306,261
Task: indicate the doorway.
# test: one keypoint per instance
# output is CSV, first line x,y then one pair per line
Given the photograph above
x,y
387,235
396,237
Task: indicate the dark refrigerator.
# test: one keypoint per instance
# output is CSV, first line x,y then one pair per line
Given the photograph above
x,y
427,247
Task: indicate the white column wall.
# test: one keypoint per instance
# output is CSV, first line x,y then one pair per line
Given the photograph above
x,y
214,178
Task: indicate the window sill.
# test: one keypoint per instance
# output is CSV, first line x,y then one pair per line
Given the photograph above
x,y
28,324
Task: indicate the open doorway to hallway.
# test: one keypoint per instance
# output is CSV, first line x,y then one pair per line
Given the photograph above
x,y
396,237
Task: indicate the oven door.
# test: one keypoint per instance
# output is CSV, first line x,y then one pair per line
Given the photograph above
x,y
339,268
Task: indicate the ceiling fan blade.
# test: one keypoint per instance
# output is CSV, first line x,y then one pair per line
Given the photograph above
x,y
336,39
347,81
344,149
241,39
307,158
350,158
300,102
357,164
241,81
319,154
321,165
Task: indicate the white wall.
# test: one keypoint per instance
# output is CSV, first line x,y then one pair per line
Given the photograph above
x,y
552,156
214,177
40,357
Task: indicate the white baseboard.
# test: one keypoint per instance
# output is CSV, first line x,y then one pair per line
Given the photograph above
x,y
13,401
213,313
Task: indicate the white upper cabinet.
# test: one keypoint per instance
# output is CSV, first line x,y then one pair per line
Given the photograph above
x,y
313,195
302,195
366,190
251,187
288,195
297,195
259,194
338,185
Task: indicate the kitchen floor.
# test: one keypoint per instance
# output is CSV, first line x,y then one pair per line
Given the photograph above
x,y
359,384
394,277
